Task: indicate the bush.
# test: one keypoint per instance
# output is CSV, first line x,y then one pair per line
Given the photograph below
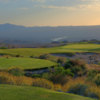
x,y
17,55
42,83
60,75
97,80
36,76
16,71
92,95
79,89
76,66
46,76
44,56
6,78
59,70
59,79
91,75
72,82
93,92
61,60
69,72
58,87
75,62
22,80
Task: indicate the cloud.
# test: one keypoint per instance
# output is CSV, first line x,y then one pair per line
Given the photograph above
x,y
81,5
63,4
56,7
78,7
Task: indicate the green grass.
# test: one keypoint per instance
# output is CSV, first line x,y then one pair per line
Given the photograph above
x,y
8,92
62,49
28,63
82,47
24,63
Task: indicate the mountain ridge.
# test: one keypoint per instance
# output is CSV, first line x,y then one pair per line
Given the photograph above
x,y
47,34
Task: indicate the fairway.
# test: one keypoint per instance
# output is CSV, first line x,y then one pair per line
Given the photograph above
x,y
8,92
24,63
26,52
85,47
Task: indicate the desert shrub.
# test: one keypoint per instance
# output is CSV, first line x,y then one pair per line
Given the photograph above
x,y
76,66
36,76
22,80
97,80
79,89
61,60
46,76
79,70
6,78
16,71
75,62
93,91
92,95
91,75
72,82
58,87
44,56
17,55
42,83
69,72
59,79
32,56
59,70
60,75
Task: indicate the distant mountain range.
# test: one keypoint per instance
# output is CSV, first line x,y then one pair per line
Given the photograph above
x,y
48,34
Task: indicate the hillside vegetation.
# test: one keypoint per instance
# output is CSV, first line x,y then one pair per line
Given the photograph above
x,y
66,80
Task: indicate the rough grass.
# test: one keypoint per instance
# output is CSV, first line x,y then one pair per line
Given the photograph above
x,y
8,92
62,49
24,63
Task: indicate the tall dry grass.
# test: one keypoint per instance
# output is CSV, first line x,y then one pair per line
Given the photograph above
x,y
6,78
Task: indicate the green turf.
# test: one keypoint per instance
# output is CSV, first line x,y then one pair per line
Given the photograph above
x,y
24,63
62,49
8,92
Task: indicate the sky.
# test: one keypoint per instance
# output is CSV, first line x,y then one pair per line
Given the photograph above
x,y
50,12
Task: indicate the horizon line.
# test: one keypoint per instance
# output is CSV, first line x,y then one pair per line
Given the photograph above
x,y
49,25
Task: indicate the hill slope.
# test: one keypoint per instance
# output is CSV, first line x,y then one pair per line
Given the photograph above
x,y
8,92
